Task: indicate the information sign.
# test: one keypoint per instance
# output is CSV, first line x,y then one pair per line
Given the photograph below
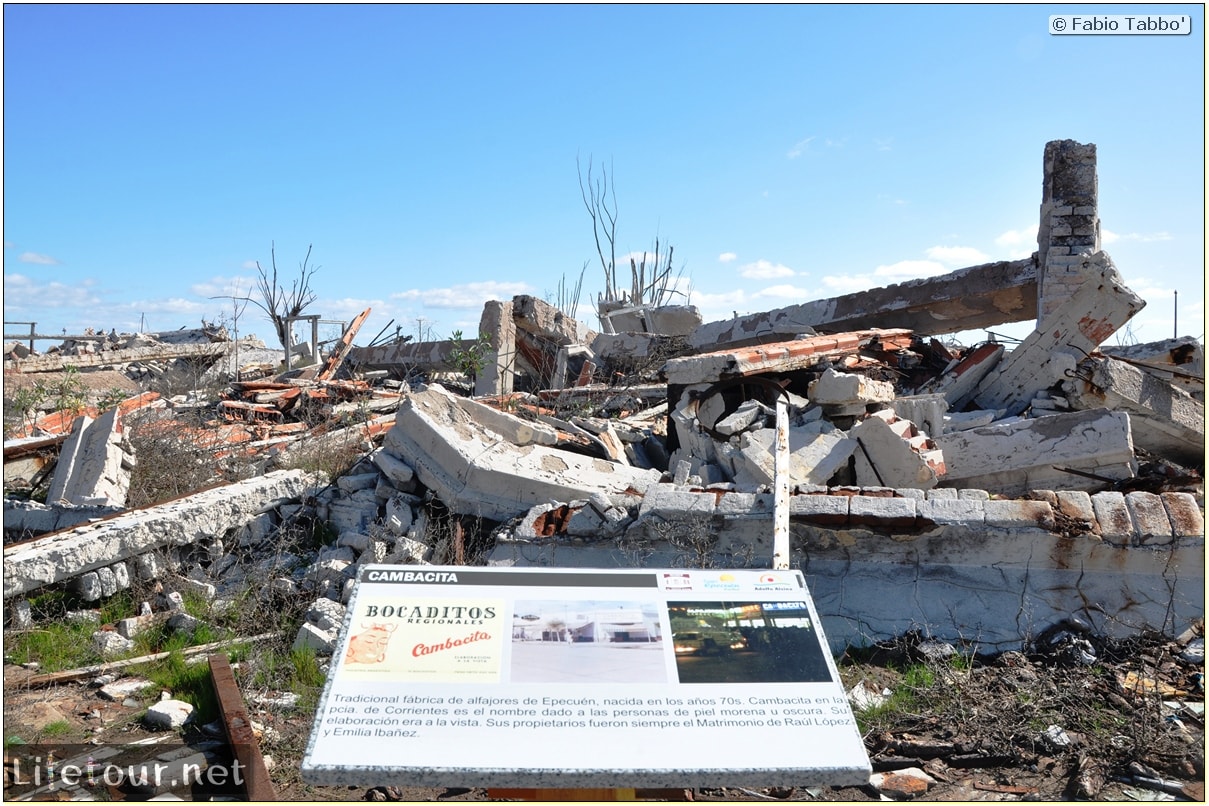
x,y
557,678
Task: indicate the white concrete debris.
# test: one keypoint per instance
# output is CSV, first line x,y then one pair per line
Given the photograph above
x,y
94,464
892,453
1013,458
211,513
1165,419
168,714
476,470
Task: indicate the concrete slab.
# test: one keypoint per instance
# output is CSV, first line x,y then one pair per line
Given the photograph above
x,y
1021,456
1165,419
968,299
476,471
62,556
94,464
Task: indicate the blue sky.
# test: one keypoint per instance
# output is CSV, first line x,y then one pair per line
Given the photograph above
x,y
152,154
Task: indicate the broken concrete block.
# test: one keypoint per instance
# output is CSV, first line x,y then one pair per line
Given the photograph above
x,y
820,510
19,616
395,469
110,643
1100,306
927,412
496,375
108,581
87,586
672,320
951,511
409,551
816,453
834,388
325,614
1116,526
1186,517
322,642
398,514
881,513
475,472
1180,362
1164,419
750,414
1021,456
357,541
122,690
884,458
94,463
1150,521
130,627
349,515
168,714
1018,514
965,420
354,483
198,587
57,558
183,623
665,501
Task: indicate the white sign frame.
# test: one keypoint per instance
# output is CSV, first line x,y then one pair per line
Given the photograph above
x,y
567,678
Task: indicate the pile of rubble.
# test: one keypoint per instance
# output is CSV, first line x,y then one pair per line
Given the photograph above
x,y
979,494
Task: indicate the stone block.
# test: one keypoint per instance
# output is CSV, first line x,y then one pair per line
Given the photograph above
x,y
311,637
744,505
398,514
951,511
1018,514
1150,521
351,483
1164,418
476,473
58,558
1076,504
881,513
1116,527
357,541
821,510
110,643
87,586
665,501
395,469
325,614
1186,517
886,459
108,581
834,388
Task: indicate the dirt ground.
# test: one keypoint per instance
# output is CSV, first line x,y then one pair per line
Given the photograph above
x,y
1081,720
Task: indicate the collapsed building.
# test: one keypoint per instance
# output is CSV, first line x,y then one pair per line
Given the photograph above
x,y
983,494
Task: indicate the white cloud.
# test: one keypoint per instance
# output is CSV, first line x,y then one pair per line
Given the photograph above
x,y
957,255
20,291
765,270
798,148
840,284
1019,243
909,270
784,294
727,257
9,245
883,144
248,264
469,295
41,260
1108,236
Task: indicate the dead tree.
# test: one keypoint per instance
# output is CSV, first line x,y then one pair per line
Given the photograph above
x,y
278,304
596,197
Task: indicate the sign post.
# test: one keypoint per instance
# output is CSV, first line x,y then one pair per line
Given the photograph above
x,y
583,678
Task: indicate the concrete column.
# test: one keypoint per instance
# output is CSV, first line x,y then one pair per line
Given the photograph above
x,y
1070,223
495,378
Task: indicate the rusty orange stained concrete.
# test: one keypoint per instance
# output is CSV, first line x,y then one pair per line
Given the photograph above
x,y
782,356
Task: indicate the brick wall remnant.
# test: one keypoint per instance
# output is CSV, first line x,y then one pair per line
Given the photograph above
x,y
1070,223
